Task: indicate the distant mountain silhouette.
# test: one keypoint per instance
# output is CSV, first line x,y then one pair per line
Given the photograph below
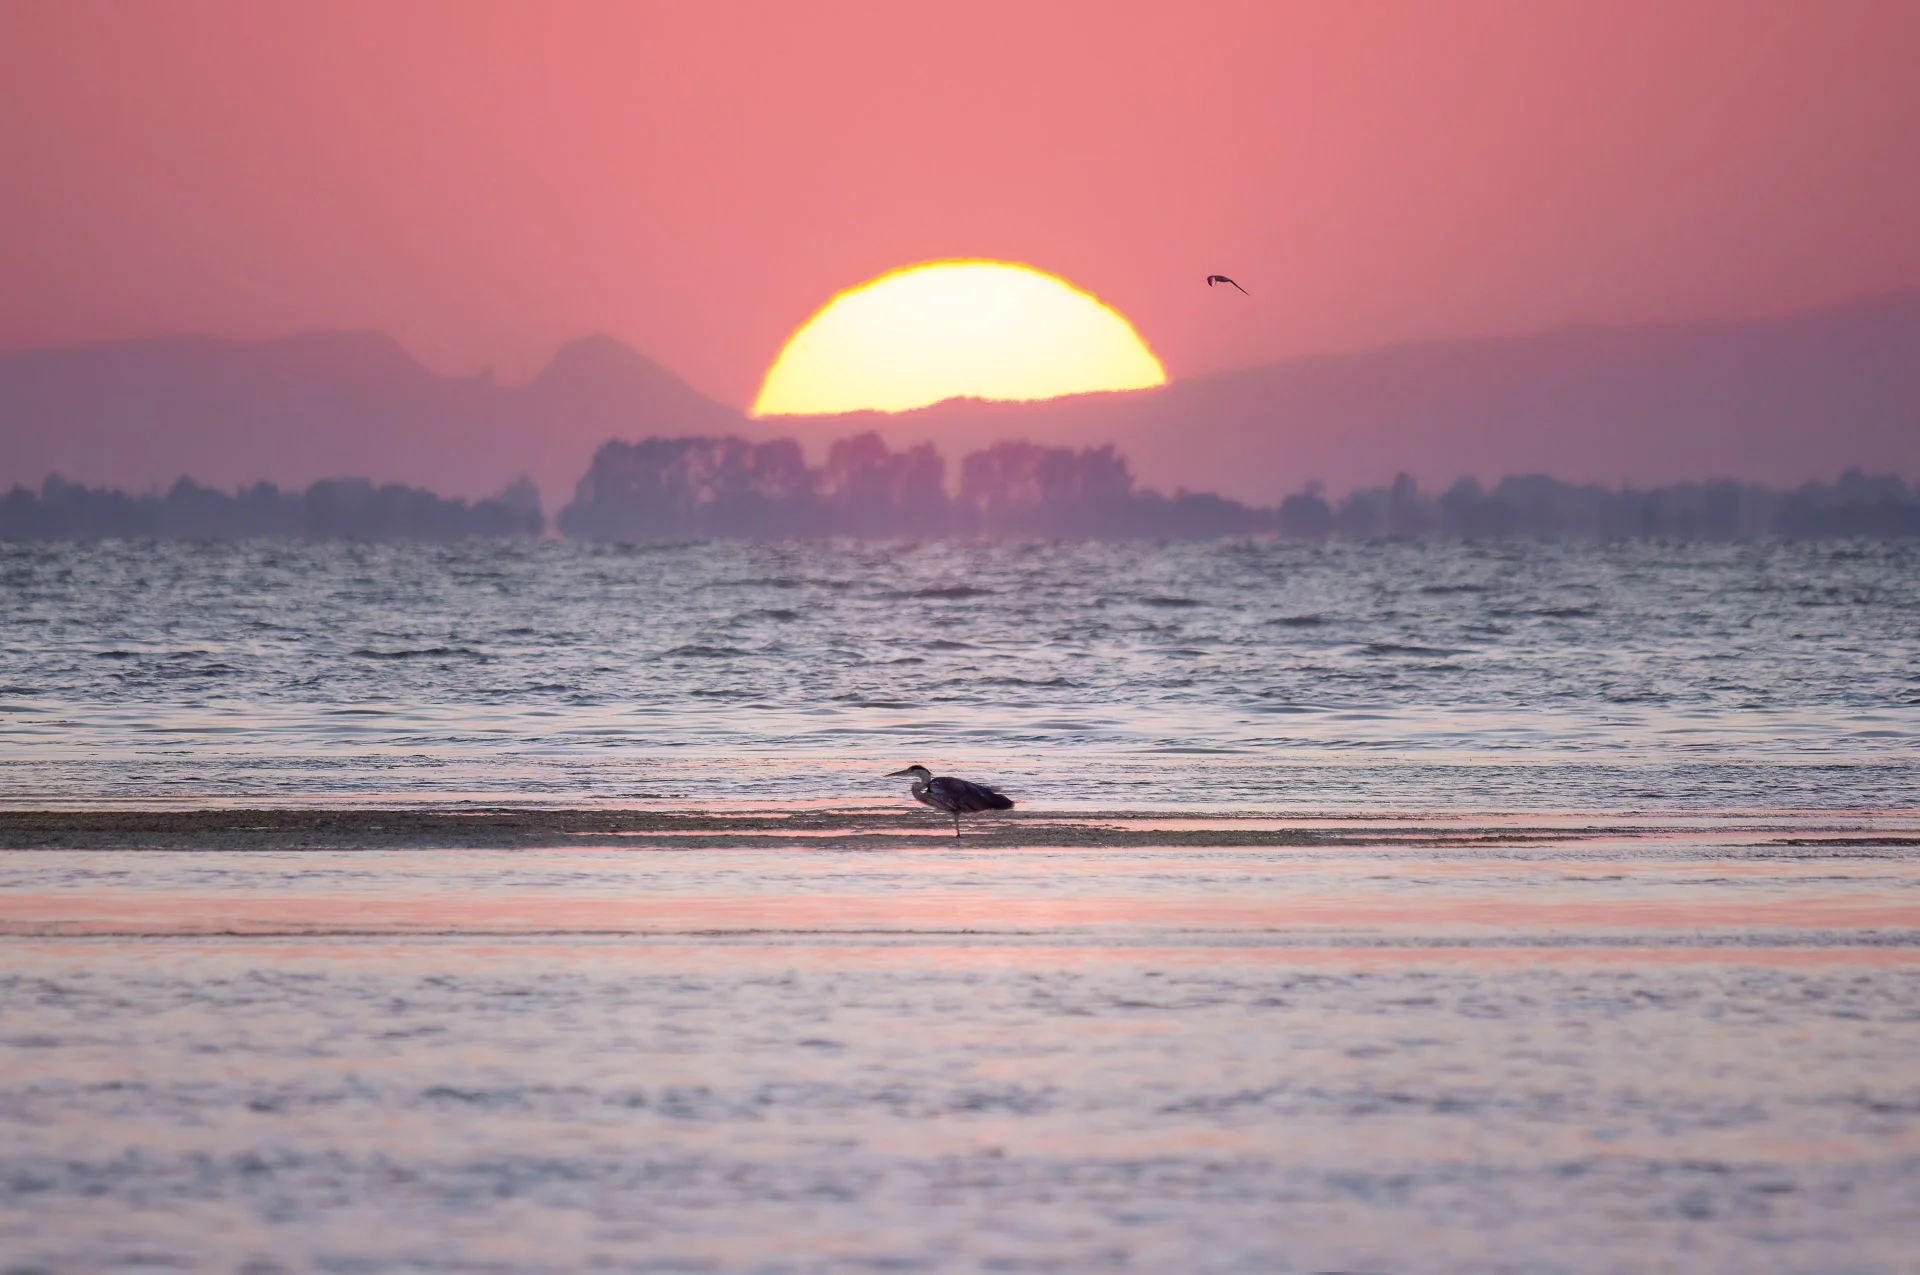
x,y
597,388
1778,402
137,414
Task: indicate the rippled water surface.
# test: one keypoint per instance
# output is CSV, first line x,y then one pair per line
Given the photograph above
x,y
1615,1053
1387,908
1231,674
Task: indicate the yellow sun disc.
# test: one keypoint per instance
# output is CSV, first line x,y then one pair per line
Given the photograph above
x,y
951,329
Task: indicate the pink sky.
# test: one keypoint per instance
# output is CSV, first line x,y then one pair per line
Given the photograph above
x,y
485,181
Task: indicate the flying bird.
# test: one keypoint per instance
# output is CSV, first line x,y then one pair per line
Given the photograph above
x,y
1220,278
955,796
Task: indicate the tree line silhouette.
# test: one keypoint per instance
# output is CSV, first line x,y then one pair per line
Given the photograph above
x,y
722,486
333,508
1537,506
731,487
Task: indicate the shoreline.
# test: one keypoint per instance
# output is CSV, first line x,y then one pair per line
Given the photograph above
x,y
1853,834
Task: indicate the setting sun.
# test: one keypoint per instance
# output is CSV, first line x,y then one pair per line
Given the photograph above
x,y
948,329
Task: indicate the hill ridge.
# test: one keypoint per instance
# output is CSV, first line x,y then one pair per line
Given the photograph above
x,y
1777,400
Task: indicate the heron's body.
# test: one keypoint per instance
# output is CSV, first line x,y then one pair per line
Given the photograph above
x,y
1220,278
953,796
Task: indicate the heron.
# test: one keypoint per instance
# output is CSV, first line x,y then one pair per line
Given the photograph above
x,y
1220,278
955,796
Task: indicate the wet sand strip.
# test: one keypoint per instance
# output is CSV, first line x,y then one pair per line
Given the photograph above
x,y
400,829
272,829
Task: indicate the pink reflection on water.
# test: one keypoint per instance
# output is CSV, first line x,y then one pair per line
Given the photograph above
x,y
110,912
761,956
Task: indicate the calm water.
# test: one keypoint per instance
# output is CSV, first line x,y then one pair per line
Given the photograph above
x,y
1253,675
1590,1054
1608,960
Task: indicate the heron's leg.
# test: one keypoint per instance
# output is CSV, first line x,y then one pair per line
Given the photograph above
x,y
956,823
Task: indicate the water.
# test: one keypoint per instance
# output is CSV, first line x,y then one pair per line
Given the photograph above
x,y
1257,675
1386,908
1586,1053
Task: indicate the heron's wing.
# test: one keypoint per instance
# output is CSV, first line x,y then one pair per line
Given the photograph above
x,y
960,794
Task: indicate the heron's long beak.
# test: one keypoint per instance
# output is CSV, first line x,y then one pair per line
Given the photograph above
x,y
892,774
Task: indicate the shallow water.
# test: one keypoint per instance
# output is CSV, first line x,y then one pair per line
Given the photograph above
x,y
1522,908
1226,674
1688,1053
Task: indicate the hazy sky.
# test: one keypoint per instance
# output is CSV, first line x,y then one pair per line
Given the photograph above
x,y
488,180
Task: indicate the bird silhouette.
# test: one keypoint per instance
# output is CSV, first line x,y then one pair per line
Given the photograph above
x,y
1220,278
955,796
